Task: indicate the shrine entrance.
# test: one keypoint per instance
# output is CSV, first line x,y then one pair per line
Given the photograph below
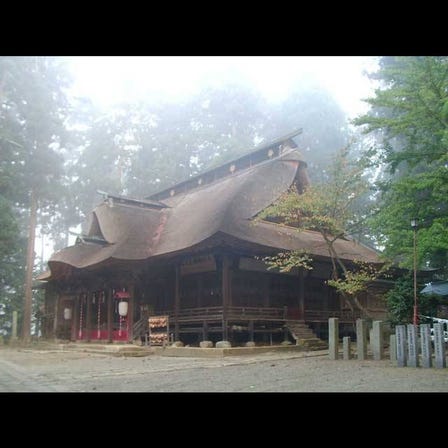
x,y
102,318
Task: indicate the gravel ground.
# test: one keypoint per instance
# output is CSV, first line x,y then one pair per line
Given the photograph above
x,y
37,370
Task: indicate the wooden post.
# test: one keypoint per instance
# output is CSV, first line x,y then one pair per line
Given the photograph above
x,y
176,301
110,314
229,281
89,315
75,318
205,331
226,294
301,295
251,331
131,305
55,320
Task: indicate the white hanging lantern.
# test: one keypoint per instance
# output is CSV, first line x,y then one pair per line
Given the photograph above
x,y
123,308
67,313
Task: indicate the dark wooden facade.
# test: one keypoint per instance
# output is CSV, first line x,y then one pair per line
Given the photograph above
x,y
219,295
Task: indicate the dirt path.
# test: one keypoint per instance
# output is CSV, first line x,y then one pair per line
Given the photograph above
x,y
58,371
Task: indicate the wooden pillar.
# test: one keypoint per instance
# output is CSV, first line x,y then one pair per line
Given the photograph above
x,y
205,331
176,301
131,305
226,294
75,319
89,315
56,311
301,294
219,274
251,331
110,314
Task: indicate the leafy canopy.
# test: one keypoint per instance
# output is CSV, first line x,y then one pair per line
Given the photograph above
x,y
332,208
409,118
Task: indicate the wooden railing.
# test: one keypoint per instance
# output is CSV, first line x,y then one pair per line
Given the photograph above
x,y
215,313
323,316
233,313
259,313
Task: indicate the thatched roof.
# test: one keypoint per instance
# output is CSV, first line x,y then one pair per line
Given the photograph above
x,y
195,211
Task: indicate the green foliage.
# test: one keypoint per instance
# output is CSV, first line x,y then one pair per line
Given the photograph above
x,y
333,209
12,259
400,302
330,207
356,279
411,106
286,261
409,119
32,137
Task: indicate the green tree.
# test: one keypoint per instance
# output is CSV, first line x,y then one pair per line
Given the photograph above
x,y
400,302
32,123
409,118
12,261
331,208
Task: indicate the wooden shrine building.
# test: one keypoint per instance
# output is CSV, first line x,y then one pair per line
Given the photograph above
x,y
191,253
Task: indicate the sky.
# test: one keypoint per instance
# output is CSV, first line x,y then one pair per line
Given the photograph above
x,y
111,79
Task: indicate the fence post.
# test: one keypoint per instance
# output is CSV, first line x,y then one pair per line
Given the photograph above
x,y
400,337
412,346
333,338
439,346
361,339
425,336
392,347
346,348
377,340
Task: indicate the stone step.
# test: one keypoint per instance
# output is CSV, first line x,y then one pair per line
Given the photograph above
x,y
303,335
312,343
300,331
109,349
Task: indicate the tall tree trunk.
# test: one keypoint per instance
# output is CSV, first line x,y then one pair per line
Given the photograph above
x,y
27,307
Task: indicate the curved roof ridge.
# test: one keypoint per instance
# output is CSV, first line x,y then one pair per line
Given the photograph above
x,y
264,152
